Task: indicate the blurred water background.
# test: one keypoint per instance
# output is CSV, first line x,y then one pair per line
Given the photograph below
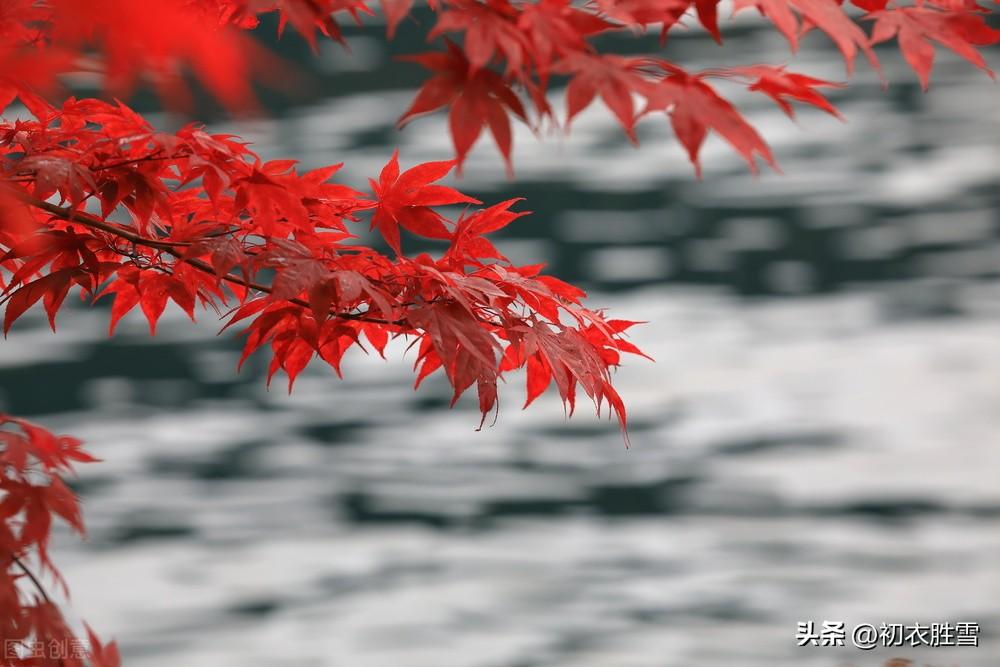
x,y
817,440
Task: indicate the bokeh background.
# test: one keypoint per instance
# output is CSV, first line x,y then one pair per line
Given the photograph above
x,y
819,438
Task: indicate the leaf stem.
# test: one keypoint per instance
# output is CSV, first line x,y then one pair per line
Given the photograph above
x,y
31,575
171,248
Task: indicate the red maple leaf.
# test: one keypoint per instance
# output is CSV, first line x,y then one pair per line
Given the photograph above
x,y
695,108
781,85
102,655
827,15
477,97
469,244
555,28
405,200
490,28
614,78
642,13
959,30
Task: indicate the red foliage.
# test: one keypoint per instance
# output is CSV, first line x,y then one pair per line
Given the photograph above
x,y
96,200
235,216
32,629
504,66
961,30
477,96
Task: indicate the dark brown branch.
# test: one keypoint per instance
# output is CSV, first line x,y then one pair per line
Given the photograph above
x,y
125,163
171,248
31,575
38,586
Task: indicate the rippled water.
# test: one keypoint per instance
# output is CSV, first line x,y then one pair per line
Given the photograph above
x,y
817,439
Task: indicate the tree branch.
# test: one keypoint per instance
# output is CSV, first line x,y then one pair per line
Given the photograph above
x,y
172,248
31,575
38,586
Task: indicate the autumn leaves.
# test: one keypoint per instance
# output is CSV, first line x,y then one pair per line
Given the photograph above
x,y
201,221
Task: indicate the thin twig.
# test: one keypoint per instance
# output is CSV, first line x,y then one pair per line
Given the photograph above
x,y
171,248
124,163
38,585
32,577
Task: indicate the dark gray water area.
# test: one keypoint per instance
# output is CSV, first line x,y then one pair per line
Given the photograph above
x,y
819,438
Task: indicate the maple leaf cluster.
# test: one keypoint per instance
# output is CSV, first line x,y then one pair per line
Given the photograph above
x,y
511,50
95,200
32,627
198,219
502,66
